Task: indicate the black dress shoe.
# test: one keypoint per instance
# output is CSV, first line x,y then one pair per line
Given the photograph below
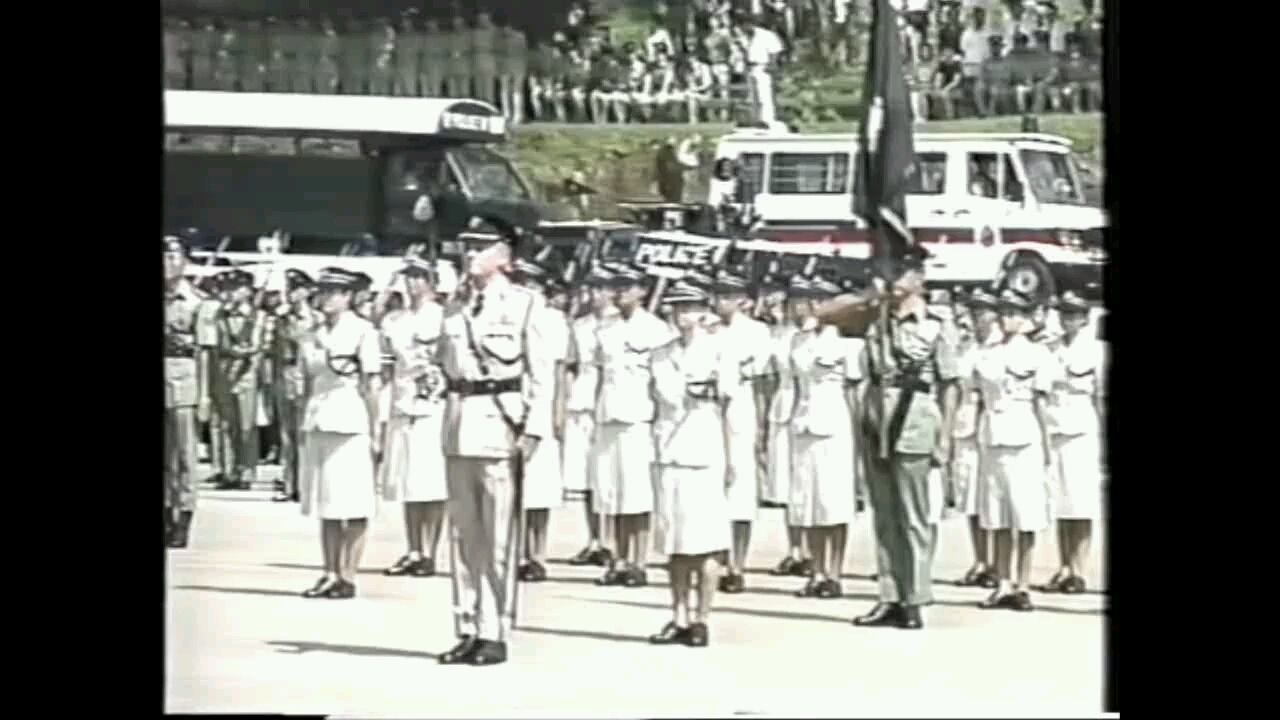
x,y
829,588
996,601
697,636
972,578
1055,583
786,567
1022,602
670,634
634,578
1073,585
810,589
281,497
610,577
460,653
804,568
180,531
342,590
488,652
882,615
403,566
534,572
426,567
909,618
321,588
988,580
737,583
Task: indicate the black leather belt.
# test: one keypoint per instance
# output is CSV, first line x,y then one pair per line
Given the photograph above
x,y
180,353
705,390
919,386
484,387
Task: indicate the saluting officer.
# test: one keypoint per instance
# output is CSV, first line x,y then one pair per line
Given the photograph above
x,y
240,346
498,374
184,386
297,322
414,469
912,367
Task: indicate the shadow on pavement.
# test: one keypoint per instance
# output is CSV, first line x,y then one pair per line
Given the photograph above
x,y
361,571
241,591
299,647
784,615
587,634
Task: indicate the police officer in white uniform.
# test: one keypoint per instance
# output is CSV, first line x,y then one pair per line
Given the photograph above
x,y
691,506
743,341
623,447
1075,422
578,462
498,375
777,488
413,469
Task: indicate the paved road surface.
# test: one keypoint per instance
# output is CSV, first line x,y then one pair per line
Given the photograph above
x,y
241,640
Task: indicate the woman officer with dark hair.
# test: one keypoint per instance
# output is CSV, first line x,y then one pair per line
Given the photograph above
x,y
340,433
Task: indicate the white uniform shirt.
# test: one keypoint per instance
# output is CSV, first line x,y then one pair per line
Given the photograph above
x,y
335,360
744,344
818,360
1008,377
1080,379
412,340
762,47
966,423
582,353
689,431
783,402
622,357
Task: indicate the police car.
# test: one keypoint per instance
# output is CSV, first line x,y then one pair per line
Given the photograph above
x,y
989,207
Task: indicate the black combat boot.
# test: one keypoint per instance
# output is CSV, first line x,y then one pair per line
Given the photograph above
x,y
181,531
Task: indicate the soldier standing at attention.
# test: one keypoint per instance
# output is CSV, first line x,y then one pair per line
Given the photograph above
x,y
253,57
457,69
623,449
513,67
484,59
328,59
580,423
302,52
204,50
435,58
414,469
240,335
207,313
297,321
382,46
357,58
409,50
177,50
184,390
744,342
911,367
499,405
693,513
787,317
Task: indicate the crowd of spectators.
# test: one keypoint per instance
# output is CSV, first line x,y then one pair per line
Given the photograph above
x,y
697,63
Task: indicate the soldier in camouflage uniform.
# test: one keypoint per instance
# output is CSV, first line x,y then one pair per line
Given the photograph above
x,y
253,57
382,47
204,50
328,59
513,66
484,60
409,48
911,401
435,58
457,70
357,58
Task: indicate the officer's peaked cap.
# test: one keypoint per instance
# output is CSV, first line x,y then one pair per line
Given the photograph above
x,y
341,278
1070,302
687,292
910,259
812,287
295,278
174,244
623,276
980,298
417,267
237,278
1011,299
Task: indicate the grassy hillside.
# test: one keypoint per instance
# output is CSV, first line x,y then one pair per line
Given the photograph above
x,y
618,161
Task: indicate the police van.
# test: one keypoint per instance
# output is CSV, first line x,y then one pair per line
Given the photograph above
x,y
335,174
988,207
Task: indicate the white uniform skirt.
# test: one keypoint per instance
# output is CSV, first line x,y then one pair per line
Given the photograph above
x,y
1076,476
413,469
576,451
821,482
1014,495
743,494
335,476
691,511
623,459
966,474
543,481
777,482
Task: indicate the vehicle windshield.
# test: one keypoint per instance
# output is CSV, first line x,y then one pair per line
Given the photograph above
x,y
1051,177
488,174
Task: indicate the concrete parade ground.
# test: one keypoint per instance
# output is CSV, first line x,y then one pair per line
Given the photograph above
x,y
240,639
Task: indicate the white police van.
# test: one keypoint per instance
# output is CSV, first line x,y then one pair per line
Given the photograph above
x,y
987,206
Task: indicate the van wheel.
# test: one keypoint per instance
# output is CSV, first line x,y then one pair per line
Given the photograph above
x,y
1031,277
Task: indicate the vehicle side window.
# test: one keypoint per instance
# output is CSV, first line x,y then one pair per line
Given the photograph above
x,y
931,174
982,174
809,174
1013,191
416,172
750,177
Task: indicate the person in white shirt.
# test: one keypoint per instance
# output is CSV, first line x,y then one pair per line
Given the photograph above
x,y
762,49
975,44
1075,415
699,86
413,471
1014,385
